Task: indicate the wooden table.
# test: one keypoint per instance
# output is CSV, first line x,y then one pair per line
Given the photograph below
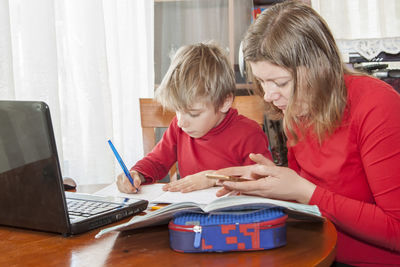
x,y
308,244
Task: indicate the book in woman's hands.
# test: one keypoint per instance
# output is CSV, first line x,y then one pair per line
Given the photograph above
x,y
231,203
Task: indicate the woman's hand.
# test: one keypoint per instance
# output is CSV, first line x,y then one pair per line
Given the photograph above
x,y
244,171
270,181
125,186
277,182
190,183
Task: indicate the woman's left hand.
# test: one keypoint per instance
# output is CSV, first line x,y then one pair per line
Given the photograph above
x,y
270,181
277,182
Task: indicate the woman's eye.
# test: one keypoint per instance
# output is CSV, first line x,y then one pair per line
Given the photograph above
x,y
282,84
193,115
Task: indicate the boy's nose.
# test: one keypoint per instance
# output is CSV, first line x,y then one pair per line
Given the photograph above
x,y
181,121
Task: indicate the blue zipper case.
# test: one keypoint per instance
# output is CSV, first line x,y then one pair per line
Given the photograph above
x,y
228,231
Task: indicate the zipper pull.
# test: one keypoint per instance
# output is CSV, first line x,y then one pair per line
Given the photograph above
x,y
197,236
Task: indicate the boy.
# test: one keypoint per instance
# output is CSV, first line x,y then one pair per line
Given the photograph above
x,y
206,134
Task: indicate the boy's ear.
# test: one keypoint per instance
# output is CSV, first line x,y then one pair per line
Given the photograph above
x,y
227,104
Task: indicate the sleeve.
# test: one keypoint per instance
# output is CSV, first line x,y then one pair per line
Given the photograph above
x,y
378,137
255,141
292,162
157,163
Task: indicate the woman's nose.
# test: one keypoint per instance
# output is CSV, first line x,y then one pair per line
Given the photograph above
x,y
271,94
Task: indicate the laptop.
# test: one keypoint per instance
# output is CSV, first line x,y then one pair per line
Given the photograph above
x,y
31,186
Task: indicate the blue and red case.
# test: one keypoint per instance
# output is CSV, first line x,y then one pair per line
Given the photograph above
x,y
228,231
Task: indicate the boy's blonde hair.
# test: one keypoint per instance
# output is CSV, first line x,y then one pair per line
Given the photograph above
x,y
198,71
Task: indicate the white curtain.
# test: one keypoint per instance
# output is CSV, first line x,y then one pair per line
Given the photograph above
x,y
90,61
180,23
364,26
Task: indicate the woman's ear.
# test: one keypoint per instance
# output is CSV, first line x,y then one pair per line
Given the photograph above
x,y
227,104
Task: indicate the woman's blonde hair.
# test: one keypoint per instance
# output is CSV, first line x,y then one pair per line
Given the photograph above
x,y
293,36
198,71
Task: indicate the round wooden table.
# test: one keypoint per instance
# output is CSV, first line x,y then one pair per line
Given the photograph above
x,y
308,244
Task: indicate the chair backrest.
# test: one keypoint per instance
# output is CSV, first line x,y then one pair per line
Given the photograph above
x,y
153,116
250,106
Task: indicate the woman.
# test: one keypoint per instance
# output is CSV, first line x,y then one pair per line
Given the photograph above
x,y
343,132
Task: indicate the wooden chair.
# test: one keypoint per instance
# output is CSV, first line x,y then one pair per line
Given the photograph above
x,y
153,116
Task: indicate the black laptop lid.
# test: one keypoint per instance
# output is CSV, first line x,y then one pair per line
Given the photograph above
x,y
31,189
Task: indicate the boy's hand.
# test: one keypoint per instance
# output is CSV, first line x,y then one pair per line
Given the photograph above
x,y
190,183
125,186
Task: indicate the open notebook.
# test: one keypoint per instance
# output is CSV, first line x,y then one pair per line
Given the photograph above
x,y
31,187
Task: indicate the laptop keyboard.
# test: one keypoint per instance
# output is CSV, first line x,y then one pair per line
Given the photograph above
x,y
87,208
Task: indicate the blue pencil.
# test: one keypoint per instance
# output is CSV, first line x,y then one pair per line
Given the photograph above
x,y
122,164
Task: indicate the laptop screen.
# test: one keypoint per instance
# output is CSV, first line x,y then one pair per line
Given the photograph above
x,y
23,135
31,189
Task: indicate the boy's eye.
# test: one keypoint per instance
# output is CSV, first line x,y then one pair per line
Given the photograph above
x,y
194,114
